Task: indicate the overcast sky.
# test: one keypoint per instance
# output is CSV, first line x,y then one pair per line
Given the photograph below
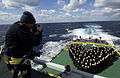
x,y
60,10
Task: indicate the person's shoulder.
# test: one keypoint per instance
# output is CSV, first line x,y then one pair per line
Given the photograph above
x,y
14,27
16,23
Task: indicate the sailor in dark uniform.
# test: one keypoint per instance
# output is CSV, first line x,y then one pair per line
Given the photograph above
x,y
19,42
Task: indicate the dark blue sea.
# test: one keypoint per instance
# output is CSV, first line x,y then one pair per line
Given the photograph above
x,y
55,32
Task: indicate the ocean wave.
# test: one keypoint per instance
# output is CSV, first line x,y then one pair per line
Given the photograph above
x,y
51,49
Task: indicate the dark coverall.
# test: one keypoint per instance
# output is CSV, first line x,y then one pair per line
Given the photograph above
x,y
19,41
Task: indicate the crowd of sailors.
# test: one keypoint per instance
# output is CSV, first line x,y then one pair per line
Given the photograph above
x,y
90,39
90,59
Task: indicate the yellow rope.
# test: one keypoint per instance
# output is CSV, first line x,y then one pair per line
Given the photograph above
x,y
56,76
11,60
97,44
15,60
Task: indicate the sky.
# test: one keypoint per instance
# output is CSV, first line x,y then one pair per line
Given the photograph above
x,y
48,11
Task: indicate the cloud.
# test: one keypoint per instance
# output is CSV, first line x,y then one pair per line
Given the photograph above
x,y
78,4
77,15
26,2
46,12
81,2
74,11
107,3
21,4
116,16
44,15
113,3
68,14
99,3
72,5
61,2
1,4
111,8
8,18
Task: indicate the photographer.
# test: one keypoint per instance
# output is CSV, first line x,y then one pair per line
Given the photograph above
x,y
20,39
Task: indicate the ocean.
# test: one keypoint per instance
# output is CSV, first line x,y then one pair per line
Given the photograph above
x,y
55,34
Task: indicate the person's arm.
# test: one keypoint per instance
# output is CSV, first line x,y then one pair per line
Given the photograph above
x,y
37,32
11,40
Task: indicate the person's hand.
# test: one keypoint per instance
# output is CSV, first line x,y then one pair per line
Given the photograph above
x,y
39,29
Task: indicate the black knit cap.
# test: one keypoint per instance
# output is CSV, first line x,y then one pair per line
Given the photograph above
x,y
27,17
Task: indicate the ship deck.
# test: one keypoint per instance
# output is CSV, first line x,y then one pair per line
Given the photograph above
x,y
63,58
112,71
